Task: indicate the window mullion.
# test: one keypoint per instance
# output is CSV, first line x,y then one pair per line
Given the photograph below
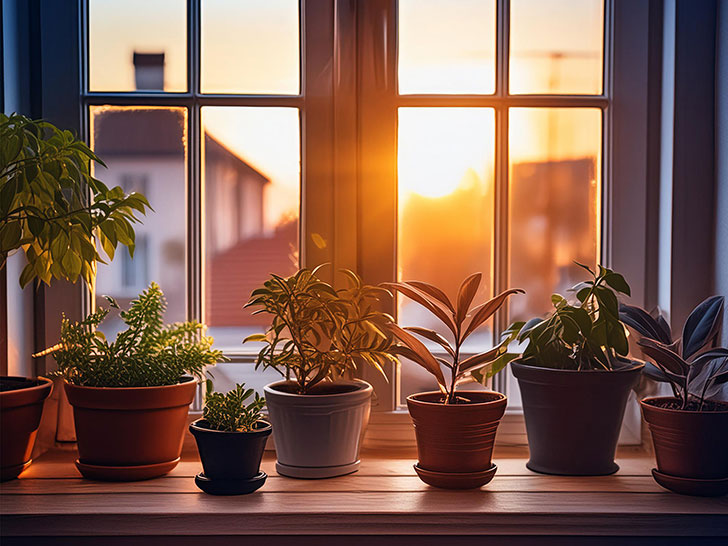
x,y
194,182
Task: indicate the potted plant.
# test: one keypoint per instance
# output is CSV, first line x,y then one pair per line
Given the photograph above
x,y
455,429
688,428
231,438
318,337
575,379
45,212
131,397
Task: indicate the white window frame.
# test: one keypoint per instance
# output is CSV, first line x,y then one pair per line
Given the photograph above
x,y
348,106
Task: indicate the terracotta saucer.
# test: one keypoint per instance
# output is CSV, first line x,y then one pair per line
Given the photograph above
x,y
230,487
456,480
691,486
125,473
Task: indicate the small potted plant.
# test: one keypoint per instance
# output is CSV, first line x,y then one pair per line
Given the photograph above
x,y
318,337
689,429
575,379
231,438
131,397
455,429
46,214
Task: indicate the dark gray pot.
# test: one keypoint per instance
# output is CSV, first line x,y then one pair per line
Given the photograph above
x,y
573,418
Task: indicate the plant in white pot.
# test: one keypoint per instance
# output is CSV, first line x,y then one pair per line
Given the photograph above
x,y
53,211
318,338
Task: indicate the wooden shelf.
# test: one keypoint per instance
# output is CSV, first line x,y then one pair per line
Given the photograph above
x,y
51,501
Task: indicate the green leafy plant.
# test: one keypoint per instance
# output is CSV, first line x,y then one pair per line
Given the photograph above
x,y
584,335
53,208
461,320
229,412
319,333
697,373
146,354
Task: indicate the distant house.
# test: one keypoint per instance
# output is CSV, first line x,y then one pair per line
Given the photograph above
x,y
144,151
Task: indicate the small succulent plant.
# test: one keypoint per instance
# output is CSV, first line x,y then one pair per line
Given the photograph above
x,y
229,412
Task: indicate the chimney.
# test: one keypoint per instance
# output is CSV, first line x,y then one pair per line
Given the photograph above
x,y
149,71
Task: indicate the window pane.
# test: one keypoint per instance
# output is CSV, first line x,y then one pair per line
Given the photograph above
x,y
445,167
557,46
446,47
555,156
252,174
137,45
250,47
144,150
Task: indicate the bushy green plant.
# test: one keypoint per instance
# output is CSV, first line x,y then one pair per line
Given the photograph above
x,y
53,208
461,320
584,335
229,412
319,333
146,354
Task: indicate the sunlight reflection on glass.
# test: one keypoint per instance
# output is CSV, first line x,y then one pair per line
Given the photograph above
x,y
137,45
445,223
446,47
250,47
144,150
554,197
251,171
556,46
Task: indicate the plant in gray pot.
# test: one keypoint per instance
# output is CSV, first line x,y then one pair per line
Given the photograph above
x,y
688,428
318,338
231,437
575,380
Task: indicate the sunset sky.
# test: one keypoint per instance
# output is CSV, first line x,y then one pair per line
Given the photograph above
x,y
251,46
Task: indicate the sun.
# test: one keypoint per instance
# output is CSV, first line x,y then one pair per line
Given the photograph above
x,y
438,146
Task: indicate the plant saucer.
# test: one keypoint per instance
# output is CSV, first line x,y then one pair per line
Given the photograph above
x,y
691,486
230,487
456,480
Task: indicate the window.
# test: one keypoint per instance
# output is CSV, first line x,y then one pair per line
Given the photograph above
x,y
405,139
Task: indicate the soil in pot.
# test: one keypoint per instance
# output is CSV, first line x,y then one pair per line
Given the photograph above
x,y
230,460
130,433
318,435
21,407
691,446
573,418
455,441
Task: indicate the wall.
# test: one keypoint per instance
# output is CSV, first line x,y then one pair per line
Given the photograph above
x,y
721,162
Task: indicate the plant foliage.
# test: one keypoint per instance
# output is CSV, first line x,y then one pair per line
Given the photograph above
x,y
584,335
319,333
53,208
461,320
146,354
696,372
229,412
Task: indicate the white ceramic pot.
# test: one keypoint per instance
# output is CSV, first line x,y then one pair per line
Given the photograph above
x,y
318,435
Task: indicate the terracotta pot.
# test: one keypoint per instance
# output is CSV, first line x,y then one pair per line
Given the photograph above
x,y
318,435
573,418
130,433
688,444
455,441
230,460
21,407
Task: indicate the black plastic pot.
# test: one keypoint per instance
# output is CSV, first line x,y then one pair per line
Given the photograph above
x,y
573,418
230,460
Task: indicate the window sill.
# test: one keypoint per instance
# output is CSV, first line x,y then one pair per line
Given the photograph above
x,y
383,498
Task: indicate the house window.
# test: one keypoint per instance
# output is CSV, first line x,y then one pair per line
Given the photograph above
x,y
404,139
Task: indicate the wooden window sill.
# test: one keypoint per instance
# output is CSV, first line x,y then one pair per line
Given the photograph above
x,y
51,501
